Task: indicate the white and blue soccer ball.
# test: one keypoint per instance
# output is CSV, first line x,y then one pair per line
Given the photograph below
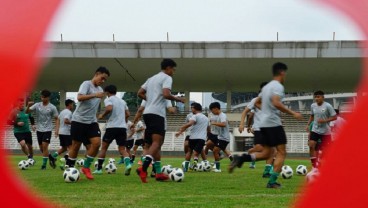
x,y
80,162
167,169
177,175
198,167
286,172
23,165
206,165
301,170
31,161
110,168
71,175
111,160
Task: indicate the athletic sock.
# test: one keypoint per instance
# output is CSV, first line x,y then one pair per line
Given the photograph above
x,y
267,169
71,162
147,162
253,163
231,157
217,163
143,158
186,165
133,158
88,161
44,161
55,155
273,177
66,157
247,158
30,156
126,161
157,167
100,163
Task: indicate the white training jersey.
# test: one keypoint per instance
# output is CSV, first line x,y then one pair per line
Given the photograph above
x,y
117,115
44,116
64,129
199,128
270,114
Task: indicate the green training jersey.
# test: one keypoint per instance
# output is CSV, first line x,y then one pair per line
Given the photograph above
x,y
22,117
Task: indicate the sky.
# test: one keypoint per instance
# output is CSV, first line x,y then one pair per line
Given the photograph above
x,y
199,20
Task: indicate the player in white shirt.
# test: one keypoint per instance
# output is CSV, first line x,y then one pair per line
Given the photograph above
x,y
337,124
139,139
156,90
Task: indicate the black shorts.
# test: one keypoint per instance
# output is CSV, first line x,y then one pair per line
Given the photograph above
x,y
129,143
187,138
222,144
65,140
83,132
155,124
26,136
212,137
273,136
119,134
196,145
322,140
139,142
43,137
257,137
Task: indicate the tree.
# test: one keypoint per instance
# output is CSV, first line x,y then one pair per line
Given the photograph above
x,y
132,100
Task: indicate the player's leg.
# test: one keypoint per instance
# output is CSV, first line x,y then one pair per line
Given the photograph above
x,y
269,164
278,163
188,156
101,156
29,143
216,151
186,144
24,147
312,143
73,153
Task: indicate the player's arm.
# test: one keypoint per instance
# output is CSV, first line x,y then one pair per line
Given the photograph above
x,y
276,101
249,122
184,127
30,107
138,115
167,95
57,126
311,118
142,93
242,119
127,114
108,110
219,124
132,132
329,119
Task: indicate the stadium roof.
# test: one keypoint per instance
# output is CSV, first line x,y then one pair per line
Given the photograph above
x,y
334,66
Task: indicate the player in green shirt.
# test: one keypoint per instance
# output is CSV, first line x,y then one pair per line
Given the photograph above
x,y
20,121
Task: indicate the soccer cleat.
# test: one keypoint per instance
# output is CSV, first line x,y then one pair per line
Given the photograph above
x,y
87,172
52,161
97,172
231,158
252,166
153,174
43,167
128,168
266,175
161,177
273,185
142,174
235,163
216,170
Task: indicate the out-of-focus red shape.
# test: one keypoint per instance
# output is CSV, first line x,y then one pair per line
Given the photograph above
x,y
343,179
23,24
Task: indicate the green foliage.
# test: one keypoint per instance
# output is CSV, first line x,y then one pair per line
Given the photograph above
x,y
244,188
132,100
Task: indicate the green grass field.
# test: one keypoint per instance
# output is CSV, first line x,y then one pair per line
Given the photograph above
x,y
244,188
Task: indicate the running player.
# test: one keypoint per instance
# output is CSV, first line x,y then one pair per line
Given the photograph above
x,y
45,112
131,135
62,130
198,132
322,113
116,127
223,136
273,134
155,91
20,121
139,139
84,127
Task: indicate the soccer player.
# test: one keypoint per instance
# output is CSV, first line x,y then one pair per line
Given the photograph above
x,y
139,140
223,136
273,134
62,130
116,128
20,121
337,124
84,127
130,139
155,91
322,113
186,140
45,112
198,132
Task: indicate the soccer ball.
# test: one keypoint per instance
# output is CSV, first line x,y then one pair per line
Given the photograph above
x,y
286,172
301,170
23,165
71,175
80,162
62,160
206,166
111,160
199,167
110,168
312,175
167,169
177,175
31,162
